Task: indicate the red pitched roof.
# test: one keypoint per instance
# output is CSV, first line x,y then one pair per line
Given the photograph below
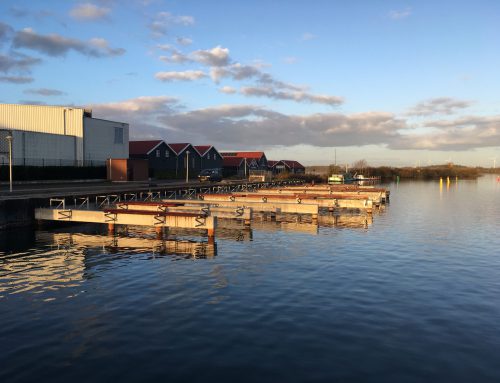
x,y
178,148
256,155
231,161
203,149
142,147
293,164
271,163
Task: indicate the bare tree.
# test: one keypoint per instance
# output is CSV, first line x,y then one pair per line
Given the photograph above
x,y
360,165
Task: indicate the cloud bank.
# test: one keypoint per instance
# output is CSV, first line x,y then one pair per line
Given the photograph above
x,y
163,117
56,45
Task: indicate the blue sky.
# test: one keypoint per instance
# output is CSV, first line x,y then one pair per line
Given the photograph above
x,y
392,82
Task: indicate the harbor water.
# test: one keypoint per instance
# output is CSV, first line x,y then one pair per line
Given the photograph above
x,y
411,294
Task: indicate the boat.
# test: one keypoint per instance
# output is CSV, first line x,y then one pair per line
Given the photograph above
x,y
362,180
344,178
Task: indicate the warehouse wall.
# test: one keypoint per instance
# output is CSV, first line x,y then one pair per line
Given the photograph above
x,y
100,139
41,149
42,119
45,119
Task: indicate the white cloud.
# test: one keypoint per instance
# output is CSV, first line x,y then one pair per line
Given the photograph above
x,y
17,62
45,92
308,36
400,14
164,20
227,90
57,45
16,79
215,57
189,75
139,104
297,96
438,106
89,11
184,41
161,116
175,58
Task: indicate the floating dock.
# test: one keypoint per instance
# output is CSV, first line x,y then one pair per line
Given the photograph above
x,y
331,202
258,206
113,217
338,188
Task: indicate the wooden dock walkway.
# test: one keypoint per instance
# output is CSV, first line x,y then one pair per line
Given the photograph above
x,y
330,202
113,217
368,190
187,206
257,206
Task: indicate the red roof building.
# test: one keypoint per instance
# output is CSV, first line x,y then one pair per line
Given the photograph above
x,y
287,166
202,149
258,158
210,157
142,148
179,148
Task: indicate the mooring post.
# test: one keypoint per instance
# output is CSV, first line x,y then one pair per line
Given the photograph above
x,y
159,232
211,240
211,235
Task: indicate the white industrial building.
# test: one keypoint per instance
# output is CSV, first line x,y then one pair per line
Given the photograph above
x,y
57,135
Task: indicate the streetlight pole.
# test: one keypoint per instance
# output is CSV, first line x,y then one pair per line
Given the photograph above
x,y
187,166
9,139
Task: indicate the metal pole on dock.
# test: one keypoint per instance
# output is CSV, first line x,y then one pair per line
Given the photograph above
x,y
9,139
187,166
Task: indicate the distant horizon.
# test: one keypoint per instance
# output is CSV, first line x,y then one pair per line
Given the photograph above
x,y
391,83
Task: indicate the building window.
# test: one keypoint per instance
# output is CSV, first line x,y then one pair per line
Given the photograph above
x,y
118,135
158,153
167,153
208,156
192,162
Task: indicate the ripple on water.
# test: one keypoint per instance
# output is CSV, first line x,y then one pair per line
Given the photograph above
x,y
409,294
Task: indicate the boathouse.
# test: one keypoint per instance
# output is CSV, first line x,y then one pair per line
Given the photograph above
x,y
210,157
286,166
162,158
254,160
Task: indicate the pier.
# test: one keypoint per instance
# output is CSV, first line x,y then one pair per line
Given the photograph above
x,y
331,202
112,217
17,208
203,208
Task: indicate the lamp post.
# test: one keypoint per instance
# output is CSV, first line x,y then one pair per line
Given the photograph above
x,y
9,139
187,166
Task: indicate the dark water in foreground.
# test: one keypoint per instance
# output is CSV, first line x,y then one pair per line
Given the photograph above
x,y
412,296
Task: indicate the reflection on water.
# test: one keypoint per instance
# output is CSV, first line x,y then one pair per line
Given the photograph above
x,y
64,259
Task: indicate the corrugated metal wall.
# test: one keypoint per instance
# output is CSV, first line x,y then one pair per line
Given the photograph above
x,y
42,119
40,149
101,142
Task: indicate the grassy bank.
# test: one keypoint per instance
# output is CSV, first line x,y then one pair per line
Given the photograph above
x,y
390,173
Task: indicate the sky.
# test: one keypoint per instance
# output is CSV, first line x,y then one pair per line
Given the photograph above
x,y
394,83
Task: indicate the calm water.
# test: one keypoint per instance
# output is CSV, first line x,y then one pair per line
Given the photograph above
x,y
410,296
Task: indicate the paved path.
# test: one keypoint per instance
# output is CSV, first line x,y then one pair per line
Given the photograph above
x,y
52,189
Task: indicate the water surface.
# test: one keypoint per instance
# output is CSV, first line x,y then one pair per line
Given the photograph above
x,y
410,295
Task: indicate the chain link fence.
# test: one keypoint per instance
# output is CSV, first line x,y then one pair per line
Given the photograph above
x,y
4,147
38,162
